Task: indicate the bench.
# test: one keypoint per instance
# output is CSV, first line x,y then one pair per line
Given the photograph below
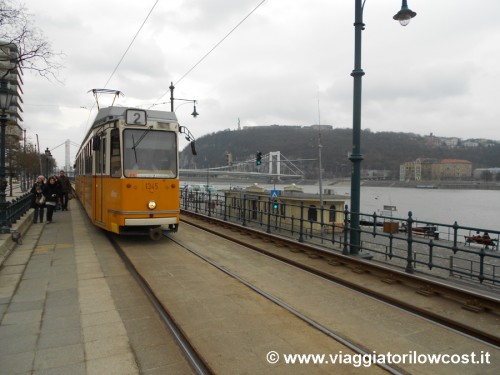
x,y
480,240
427,231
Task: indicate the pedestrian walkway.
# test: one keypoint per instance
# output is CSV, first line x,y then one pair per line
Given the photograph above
x,y
69,306
55,306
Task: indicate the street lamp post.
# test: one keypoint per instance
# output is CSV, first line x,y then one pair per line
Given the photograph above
x,y
5,102
403,16
172,87
48,155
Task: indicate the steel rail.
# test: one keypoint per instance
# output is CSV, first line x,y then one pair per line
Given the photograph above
x,y
349,344
467,299
190,353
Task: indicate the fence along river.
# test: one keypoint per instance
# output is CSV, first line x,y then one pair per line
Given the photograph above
x,y
470,208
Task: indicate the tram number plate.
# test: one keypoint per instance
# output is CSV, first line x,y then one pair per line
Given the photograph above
x,y
152,186
136,117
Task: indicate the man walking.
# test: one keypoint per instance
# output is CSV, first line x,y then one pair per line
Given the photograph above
x,y
66,190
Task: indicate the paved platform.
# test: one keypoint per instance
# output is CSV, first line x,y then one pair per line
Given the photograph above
x,y
68,306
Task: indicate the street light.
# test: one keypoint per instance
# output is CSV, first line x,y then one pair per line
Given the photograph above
x,y
48,155
403,16
194,114
5,102
172,87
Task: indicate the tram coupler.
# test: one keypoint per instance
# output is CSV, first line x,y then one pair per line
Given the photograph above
x,y
155,233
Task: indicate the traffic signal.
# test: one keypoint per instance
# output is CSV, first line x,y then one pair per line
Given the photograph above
x,y
275,203
258,158
229,159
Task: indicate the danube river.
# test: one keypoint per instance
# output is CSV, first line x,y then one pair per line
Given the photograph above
x,y
470,208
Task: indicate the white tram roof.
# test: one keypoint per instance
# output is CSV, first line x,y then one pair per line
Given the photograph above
x,y
111,113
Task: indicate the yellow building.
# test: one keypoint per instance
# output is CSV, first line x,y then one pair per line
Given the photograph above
x,y
452,169
430,169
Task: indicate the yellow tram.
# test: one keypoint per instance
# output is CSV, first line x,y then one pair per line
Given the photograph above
x,y
127,171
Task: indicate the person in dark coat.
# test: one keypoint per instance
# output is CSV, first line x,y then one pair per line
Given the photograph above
x,y
36,203
52,192
65,190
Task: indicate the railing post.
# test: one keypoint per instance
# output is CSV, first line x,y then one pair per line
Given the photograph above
x,y
431,248
455,237
225,206
244,210
209,203
409,267
345,250
301,230
268,215
322,222
481,265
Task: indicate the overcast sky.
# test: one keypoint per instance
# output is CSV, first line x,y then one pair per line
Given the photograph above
x,y
288,63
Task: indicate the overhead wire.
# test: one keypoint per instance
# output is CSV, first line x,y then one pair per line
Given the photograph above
x,y
130,45
212,49
124,54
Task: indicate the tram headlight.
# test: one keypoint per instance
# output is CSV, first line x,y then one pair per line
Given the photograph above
x,y
151,205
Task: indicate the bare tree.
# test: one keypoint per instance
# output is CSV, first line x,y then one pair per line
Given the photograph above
x,y
34,51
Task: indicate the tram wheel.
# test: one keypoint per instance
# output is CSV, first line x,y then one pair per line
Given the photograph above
x,y
155,234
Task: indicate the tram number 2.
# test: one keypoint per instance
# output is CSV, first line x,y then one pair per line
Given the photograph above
x,y
152,186
136,117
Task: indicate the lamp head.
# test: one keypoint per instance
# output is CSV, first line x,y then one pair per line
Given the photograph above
x,y
194,114
404,15
5,98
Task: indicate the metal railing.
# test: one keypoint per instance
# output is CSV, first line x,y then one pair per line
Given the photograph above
x,y
443,250
16,208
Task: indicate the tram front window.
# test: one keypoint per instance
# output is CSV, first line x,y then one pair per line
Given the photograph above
x,y
149,153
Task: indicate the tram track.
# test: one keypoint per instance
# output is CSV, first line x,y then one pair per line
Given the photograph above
x,y
196,357
157,268
444,298
193,358
342,340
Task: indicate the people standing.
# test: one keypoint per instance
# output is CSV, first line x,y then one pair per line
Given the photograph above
x,y
52,193
38,203
65,190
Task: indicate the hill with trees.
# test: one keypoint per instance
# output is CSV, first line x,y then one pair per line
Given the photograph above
x,y
381,150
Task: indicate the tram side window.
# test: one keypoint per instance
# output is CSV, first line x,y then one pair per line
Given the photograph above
x,y
116,167
88,159
98,155
104,156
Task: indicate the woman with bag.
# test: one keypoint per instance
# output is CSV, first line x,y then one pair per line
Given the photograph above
x,y
52,193
38,202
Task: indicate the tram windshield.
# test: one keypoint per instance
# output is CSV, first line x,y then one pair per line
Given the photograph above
x,y
149,153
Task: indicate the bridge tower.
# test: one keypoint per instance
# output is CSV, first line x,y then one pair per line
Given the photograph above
x,y
67,165
275,162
